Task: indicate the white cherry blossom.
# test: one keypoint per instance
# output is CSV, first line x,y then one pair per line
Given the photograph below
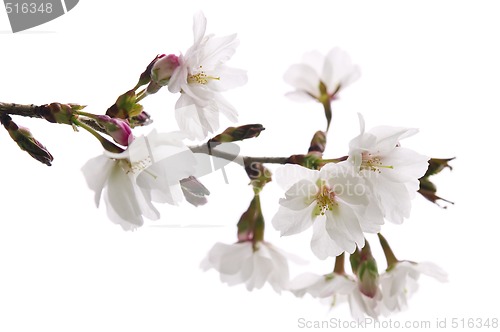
x,y
148,171
200,77
335,289
401,281
249,264
331,200
321,77
392,172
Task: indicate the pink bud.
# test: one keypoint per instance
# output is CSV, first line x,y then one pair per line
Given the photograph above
x,y
118,129
164,68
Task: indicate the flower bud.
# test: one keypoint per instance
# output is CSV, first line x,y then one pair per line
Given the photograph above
x,y
118,129
145,77
318,142
23,137
365,267
59,113
125,107
311,160
241,133
251,223
163,69
437,165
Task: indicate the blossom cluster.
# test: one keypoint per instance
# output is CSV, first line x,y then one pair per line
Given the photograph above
x,y
340,199
159,167
390,293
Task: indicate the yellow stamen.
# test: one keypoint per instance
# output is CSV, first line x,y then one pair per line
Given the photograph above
x,y
373,163
137,167
201,77
325,200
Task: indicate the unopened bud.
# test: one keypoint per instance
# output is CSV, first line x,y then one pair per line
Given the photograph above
x,y
118,129
365,267
125,107
311,160
241,133
318,142
59,113
25,140
436,165
163,69
145,77
251,223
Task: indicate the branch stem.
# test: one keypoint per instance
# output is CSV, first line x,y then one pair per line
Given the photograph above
x,y
31,111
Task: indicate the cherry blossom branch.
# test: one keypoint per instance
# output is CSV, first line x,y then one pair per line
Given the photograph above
x,y
32,111
36,111
208,149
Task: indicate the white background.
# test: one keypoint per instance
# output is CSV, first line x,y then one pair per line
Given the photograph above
x,y
425,64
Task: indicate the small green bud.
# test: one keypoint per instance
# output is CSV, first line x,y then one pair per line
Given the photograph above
x,y
365,267
125,107
59,113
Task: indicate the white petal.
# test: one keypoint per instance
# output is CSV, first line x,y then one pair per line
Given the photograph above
x,y
228,259
345,182
131,223
300,96
123,206
338,285
289,174
229,78
370,217
199,26
343,227
321,243
339,70
96,172
178,80
218,50
432,270
188,118
300,195
362,305
199,93
279,277
394,199
289,222
388,137
315,60
302,283
303,77
261,269
407,164
225,108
